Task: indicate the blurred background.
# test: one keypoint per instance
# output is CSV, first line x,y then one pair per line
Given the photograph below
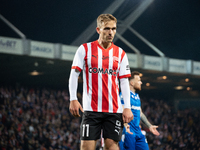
x,y
38,40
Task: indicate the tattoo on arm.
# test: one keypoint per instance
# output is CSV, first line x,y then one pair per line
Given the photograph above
x,y
144,120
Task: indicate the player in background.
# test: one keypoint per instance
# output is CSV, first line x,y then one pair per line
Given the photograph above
x,y
103,65
132,137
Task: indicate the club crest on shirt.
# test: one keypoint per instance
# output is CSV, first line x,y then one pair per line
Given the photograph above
x,y
116,59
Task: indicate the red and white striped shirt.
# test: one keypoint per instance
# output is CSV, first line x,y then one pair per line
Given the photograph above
x,y
101,70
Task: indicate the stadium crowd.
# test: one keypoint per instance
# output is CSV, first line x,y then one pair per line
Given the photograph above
x,y
179,129
39,119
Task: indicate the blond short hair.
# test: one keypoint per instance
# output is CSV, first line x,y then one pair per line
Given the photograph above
x,y
104,18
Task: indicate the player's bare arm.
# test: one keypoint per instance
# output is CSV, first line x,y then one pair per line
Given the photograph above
x,y
151,127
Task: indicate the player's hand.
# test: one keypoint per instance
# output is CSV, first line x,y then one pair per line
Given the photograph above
x,y
127,115
74,107
154,130
127,126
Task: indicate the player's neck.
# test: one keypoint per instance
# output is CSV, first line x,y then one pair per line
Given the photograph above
x,y
132,89
105,45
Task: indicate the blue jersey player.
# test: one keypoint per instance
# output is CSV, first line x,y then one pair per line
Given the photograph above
x,y
132,137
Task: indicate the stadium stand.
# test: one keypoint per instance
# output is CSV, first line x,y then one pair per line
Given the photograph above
x,y
39,118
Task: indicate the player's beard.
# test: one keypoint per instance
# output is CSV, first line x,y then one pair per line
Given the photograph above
x,y
138,88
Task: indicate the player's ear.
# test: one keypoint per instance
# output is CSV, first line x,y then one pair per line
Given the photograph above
x,y
98,30
131,82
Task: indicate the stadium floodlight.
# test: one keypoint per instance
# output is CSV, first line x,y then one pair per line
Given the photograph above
x,y
35,73
178,87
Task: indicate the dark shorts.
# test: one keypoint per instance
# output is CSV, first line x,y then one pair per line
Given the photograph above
x,y
93,122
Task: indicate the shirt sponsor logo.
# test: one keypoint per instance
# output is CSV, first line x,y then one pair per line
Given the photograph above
x,y
104,71
135,107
